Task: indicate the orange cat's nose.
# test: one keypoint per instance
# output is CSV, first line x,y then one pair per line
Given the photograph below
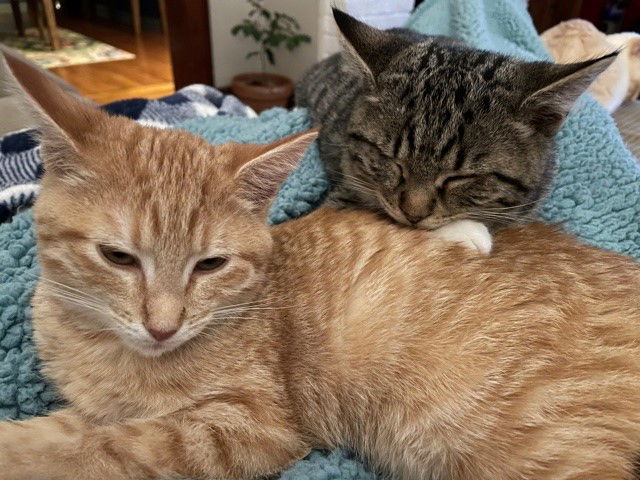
x,y
164,314
161,335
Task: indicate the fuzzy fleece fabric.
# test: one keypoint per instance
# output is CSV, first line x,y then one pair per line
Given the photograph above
x,y
596,195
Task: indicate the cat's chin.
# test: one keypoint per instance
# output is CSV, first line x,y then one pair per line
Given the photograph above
x,y
151,349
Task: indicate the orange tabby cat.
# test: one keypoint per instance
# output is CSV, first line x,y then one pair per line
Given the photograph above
x,y
579,39
192,340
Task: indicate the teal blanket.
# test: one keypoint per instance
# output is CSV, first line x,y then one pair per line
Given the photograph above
x,y
596,195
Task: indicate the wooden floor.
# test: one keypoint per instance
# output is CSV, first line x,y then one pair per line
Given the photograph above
x,y
148,75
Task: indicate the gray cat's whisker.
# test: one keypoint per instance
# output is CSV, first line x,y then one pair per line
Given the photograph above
x,y
356,186
522,205
498,219
499,215
361,188
353,178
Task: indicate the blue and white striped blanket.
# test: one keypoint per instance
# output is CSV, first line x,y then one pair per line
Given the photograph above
x,y
20,165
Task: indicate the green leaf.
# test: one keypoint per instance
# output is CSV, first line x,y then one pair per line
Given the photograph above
x,y
251,30
303,38
268,39
289,19
275,39
270,29
270,57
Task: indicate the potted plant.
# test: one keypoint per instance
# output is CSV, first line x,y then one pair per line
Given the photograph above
x,y
269,30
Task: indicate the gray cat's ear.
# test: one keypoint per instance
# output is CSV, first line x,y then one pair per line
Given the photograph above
x,y
555,88
261,169
60,118
369,49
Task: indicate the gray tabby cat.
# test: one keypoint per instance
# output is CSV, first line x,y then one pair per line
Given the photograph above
x,y
431,131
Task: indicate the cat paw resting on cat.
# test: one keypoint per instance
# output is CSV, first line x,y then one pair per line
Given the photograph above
x,y
189,339
472,235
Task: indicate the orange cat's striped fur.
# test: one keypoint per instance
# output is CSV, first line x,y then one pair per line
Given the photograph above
x,y
334,329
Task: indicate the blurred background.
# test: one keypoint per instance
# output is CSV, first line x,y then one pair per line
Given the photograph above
x,y
110,50
116,49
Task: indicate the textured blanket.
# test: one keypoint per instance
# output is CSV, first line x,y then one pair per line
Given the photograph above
x,y
20,166
596,195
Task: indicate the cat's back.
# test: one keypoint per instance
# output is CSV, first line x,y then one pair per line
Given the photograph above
x,y
532,268
544,250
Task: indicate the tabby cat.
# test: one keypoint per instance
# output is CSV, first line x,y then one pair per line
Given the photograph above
x,y
189,339
431,131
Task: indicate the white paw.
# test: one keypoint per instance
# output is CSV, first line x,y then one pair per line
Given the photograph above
x,y
472,235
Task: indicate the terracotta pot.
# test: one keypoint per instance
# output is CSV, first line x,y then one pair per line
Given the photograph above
x,y
262,90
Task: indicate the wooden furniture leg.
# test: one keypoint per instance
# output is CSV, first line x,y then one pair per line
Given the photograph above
x,y
50,16
135,16
162,6
190,42
17,16
34,16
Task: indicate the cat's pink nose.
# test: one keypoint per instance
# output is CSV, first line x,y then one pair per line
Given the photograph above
x,y
161,335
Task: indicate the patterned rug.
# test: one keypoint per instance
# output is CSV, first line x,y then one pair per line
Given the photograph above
x,y
76,49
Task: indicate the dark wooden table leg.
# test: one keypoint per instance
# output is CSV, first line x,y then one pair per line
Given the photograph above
x,y
34,16
136,21
190,42
162,6
50,16
17,16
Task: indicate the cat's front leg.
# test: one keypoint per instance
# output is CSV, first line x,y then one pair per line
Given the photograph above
x,y
197,444
470,234
29,448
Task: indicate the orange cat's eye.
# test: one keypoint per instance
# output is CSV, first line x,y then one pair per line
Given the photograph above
x,y
210,264
117,257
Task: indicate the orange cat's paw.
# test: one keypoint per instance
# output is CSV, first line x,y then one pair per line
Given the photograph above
x,y
472,235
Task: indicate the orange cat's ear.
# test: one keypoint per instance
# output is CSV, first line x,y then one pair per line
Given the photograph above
x,y
634,46
60,118
259,178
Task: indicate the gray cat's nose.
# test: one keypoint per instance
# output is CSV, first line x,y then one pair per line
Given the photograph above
x,y
411,218
161,335
413,205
